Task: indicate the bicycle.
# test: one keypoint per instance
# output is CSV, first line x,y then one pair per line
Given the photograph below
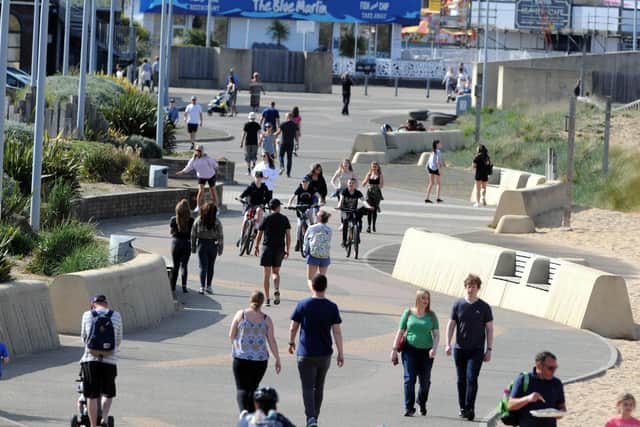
x,y
249,227
303,224
353,232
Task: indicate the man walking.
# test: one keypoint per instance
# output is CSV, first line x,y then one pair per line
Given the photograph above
x,y
155,73
290,140
537,390
249,140
272,116
276,230
346,93
317,318
193,118
206,168
472,320
101,333
145,74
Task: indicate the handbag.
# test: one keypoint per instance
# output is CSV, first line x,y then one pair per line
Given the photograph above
x,y
403,340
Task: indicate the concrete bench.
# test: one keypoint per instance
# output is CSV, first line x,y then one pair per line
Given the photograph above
x,y
506,179
555,289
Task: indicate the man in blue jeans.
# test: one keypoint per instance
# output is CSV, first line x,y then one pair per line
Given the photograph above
x,y
472,320
317,318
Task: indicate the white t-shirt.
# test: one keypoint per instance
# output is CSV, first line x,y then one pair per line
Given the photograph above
x,y
434,160
270,176
194,111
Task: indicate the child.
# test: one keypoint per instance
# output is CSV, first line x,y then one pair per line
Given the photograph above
x,y
626,404
4,356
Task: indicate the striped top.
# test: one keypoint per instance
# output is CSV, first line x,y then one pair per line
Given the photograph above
x,y
85,331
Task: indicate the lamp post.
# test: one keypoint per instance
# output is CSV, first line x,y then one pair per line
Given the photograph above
x,y
83,67
4,34
111,31
34,43
162,76
67,40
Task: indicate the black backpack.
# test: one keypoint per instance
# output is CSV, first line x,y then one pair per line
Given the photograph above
x,y
102,336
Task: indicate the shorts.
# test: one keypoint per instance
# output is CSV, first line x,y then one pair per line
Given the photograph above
x,y
482,177
433,172
98,379
192,127
320,262
211,181
250,153
271,257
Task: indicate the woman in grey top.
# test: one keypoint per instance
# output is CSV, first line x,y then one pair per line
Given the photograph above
x,y
207,237
434,166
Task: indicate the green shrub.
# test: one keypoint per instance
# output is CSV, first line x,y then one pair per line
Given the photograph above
x,y
134,113
56,208
194,37
5,262
22,243
89,257
137,172
146,147
105,164
101,90
13,201
59,242
21,132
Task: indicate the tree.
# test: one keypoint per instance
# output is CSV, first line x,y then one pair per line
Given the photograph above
x,y
194,37
347,42
278,31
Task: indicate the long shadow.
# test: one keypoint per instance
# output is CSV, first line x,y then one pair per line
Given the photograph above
x,y
29,363
28,418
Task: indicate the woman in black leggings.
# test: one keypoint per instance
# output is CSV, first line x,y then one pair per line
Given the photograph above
x,y
180,226
374,181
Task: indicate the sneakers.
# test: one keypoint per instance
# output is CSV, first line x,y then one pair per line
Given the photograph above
x,y
197,209
410,412
312,422
427,201
439,200
281,171
184,290
209,290
476,205
268,304
368,229
276,297
201,291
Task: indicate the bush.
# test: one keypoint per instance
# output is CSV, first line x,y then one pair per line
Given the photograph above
x,y
20,132
22,243
59,242
13,201
56,208
5,262
134,113
101,90
137,172
105,164
194,37
146,147
89,257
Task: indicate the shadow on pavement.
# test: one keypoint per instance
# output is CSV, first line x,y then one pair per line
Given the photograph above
x,y
27,418
30,363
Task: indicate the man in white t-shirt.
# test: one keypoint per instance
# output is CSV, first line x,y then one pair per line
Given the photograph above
x,y
193,118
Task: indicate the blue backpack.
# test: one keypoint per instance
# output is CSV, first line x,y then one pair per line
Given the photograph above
x,y
102,336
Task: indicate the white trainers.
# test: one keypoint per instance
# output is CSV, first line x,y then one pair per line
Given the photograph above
x,y
476,205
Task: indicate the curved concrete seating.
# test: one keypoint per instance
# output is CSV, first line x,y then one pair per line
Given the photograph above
x,y
544,204
399,143
369,156
27,323
515,224
507,179
555,289
138,289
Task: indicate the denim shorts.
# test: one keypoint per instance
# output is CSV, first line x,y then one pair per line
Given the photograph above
x,y
320,262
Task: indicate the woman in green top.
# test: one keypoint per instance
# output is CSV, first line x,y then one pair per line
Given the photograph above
x,y
419,325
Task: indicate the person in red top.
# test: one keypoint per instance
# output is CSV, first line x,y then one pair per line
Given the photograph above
x,y
626,404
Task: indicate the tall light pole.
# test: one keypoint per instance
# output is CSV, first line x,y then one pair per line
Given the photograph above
x,y
483,99
132,45
111,30
34,43
38,135
83,67
635,25
208,35
167,61
162,76
92,39
4,34
67,38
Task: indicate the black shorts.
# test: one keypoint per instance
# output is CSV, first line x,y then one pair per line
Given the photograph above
x,y
433,172
192,127
271,257
98,379
211,181
482,177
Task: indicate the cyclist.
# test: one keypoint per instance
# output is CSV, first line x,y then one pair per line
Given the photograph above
x,y
256,196
304,196
349,204
266,414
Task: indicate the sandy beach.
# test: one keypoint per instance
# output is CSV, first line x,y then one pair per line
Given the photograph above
x,y
606,233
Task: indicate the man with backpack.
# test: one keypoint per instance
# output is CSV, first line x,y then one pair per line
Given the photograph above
x,y
535,391
101,333
317,246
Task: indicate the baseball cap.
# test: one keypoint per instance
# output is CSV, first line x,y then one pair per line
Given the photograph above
x,y
199,148
193,98
306,178
98,299
252,116
172,100
258,174
275,203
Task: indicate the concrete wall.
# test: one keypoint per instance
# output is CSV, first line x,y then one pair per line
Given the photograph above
x,y
506,179
318,72
576,296
543,204
27,323
138,289
241,60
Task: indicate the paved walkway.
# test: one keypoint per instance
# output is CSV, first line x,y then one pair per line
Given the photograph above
x,y
179,373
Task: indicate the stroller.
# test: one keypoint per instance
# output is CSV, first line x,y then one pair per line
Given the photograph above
x,y
82,417
219,104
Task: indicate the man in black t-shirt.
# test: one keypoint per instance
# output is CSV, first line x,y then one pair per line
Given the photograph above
x,y
256,195
349,198
346,93
472,320
276,230
250,141
290,138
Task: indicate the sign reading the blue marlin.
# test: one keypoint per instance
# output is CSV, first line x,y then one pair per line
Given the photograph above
x,y
368,11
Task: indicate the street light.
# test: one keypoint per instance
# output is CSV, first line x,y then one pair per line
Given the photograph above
x,y
4,34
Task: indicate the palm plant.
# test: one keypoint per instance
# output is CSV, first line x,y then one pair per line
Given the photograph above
x,y
278,31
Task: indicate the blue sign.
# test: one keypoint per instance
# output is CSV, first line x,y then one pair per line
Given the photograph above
x,y
368,11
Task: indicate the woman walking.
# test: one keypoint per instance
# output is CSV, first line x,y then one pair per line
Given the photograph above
x,y
374,182
251,330
268,140
483,168
208,239
317,246
434,165
255,88
232,96
180,226
450,83
342,176
269,173
419,327
297,119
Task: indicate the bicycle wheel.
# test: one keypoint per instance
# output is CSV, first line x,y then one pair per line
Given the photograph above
x,y
301,230
251,238
356,241
243,239
349,240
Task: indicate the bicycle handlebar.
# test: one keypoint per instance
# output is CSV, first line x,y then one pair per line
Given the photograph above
x,y
302,207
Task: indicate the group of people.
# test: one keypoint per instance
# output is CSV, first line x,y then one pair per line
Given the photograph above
x,y
456,82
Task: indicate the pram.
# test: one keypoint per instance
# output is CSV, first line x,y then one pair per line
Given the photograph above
x,y
82,417
219,104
